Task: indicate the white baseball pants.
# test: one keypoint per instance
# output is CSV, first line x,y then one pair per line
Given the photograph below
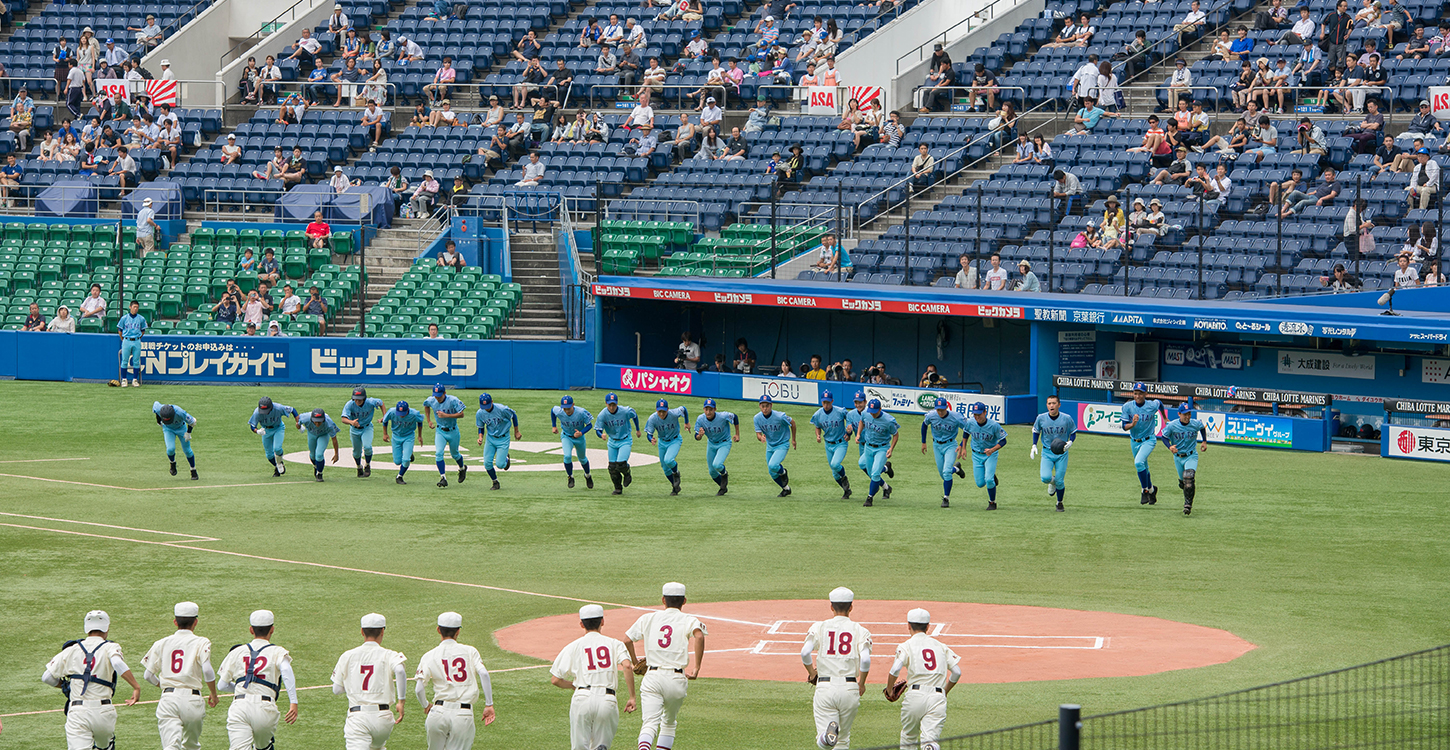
x,y
660,697
593,719
450,727
923,712
178,716
90,725
838,703
367,729
251,722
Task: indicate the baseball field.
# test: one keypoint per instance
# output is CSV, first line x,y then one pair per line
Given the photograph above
x,y
1290,564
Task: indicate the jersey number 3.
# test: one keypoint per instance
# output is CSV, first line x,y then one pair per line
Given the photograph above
x,y
838,643
667,636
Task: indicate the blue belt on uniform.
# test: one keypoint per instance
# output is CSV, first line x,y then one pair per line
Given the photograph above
x,y
381,707
183,690
607,691
461,705
919,687
827,679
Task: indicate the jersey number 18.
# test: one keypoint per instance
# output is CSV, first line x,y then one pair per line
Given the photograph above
x,y
838,643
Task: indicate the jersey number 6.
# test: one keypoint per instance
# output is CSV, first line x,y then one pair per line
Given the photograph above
x,y
667,636
177,661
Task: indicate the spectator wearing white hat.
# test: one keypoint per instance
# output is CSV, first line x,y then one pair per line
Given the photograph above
x,y
146,227
339,181
257,673
231,152
375,679
455,671
180,664
424,195
1028,282
90,667
589,667
842,650
166,72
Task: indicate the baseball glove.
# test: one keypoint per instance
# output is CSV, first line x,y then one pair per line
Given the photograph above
x,y
894,692
812,679
640,667
113,384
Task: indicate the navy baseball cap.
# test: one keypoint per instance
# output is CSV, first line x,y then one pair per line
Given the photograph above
x,y
766,400
264,403
941,403
167,413
1184,408
859,396
566,401
662,404
1139,386
484,399
439,390
826,396
611,399
318,415
359,393
979,408
402,407
874,405
709,403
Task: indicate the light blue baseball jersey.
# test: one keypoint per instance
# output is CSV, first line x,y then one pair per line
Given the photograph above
x,y
616,425
1147,418
775,427
496,421
1182,438
717,430
272,418
131,326
325,428
878,428
1049,429
449,405
667,429
832,424
363,414
853,420
403,423
942,428
986,435
176,421
581,420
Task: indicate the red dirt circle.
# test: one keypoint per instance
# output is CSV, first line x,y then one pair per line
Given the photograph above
x,y
761,640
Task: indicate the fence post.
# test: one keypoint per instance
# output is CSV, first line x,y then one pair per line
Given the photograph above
x,y
1279,254
1069,727
772,228
1200,246
906,234
977,255
1051,244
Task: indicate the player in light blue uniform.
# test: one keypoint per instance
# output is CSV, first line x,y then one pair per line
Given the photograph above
x,y
357,414
175,423
831,429
944,424
573,423
853,428
319,428
495,419
879,432
614,421
772,428
407,428
715,425
267,421
1140,421
445,434
986,438
663,430
1186,437
1057,431
131,327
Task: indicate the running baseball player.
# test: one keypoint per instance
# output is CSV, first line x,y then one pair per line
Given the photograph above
x,y
662,429
445,434
842,651
1186,437
944,425
777,430
879,433
257,673
176,425
319,428
131,327
90,667
1057,431
614,421
670,638
357,414
375,680
267,421
831,428
407,424
455,671
985,438
589,668
1140,421
494,419
180,664
716,426
932,670
853,428
572,424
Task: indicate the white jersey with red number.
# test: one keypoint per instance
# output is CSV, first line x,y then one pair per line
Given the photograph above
x,y
179,660
591,661
263,660
452,668
840,645
927,662
666,636
366,674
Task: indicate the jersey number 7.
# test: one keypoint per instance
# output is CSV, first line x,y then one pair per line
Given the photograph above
x,y
367,673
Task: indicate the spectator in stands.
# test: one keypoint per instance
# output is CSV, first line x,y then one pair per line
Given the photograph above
x,y
425,195
296,170
1074,35
346,80
10,176
653,82
1342,280
613,32
248,261
443,78
1431,276
275,168
833,259
734,77
533,172
892,130
1211,187
714,84
1025,153
1301,31
931,378
744,357
450,257
642,114
113,55
1138,220
63,322
338,22
1334,32
254,312
316,305
1192,25
809,39
1369,130
996,277
1042,152
351,47
766,35
226,310
375,88
1273,19
541,126
1284,81
983,94
1406,275
923,168
306,49
1263,139
339,181
533,77
966,277
422,116
1152,138
22,114
1417,47
372,122
785,370
573,131
1440,43
34,321
937,93
444,116
684,140
628,64
168,142
397,186
1423,125
1242,45
124,169
712,146
529,48
1312,139
1324,194
644,143
1066,190
1180,83
1429,244
148,37
1424,181
1357,227
1388,157
318,231
1222,47
1088,117
634,34
1028,282
268,269
251,83
1133,54
510,141
408,50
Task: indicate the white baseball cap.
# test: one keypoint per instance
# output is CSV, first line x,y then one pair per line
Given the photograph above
x,y
146,202
165,62
262,618
97,619
842,595
450,620
591,612
673,589
186,609
374,620
918,616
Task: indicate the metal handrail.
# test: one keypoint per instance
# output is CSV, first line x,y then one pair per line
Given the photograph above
x,y
941,38
615,205
918,89
300,87
1173,36
251,41
166,30
826,217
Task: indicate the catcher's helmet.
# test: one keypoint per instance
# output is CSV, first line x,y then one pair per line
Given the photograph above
x,y
264,403
167,413
1059,446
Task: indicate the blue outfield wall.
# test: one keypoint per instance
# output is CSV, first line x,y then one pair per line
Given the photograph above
x,y
1245,430
304,361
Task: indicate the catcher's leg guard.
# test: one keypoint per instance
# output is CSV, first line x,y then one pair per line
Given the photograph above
x,y
1188,488
615,475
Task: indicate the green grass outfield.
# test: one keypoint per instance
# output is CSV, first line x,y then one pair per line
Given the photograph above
x,y
1321,561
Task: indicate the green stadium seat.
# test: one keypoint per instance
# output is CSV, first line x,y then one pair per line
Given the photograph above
x,y
341,243
251,238
295,239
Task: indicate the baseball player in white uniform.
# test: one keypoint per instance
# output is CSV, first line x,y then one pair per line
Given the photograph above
x,y
455,671
589,667
932,670
669,636
180,664
839,672
90,666
375,680
257,673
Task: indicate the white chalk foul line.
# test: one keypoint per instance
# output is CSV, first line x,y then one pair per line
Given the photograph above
x,y
155,489
42,460
191,537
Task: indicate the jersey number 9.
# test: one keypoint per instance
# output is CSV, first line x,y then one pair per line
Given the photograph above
x,y
928,659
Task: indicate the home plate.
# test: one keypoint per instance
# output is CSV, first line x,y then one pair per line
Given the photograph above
x,y
524,455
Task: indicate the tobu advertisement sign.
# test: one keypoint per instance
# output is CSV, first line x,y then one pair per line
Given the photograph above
x,y
789,390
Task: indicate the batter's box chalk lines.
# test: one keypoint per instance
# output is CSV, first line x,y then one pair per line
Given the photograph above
x,y
189,537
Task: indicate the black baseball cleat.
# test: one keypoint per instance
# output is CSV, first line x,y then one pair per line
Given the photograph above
x,y
957,469
588,482
1187,507
1060,509
890,472
616,491
991,505
495,485
869,501
571,481
1144,499
784,491
724,481
1153,495
367,469
194,476
399,479
886,491
276,473
462,473
946,503
833,730
359,472
317,475
173,468
442,481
